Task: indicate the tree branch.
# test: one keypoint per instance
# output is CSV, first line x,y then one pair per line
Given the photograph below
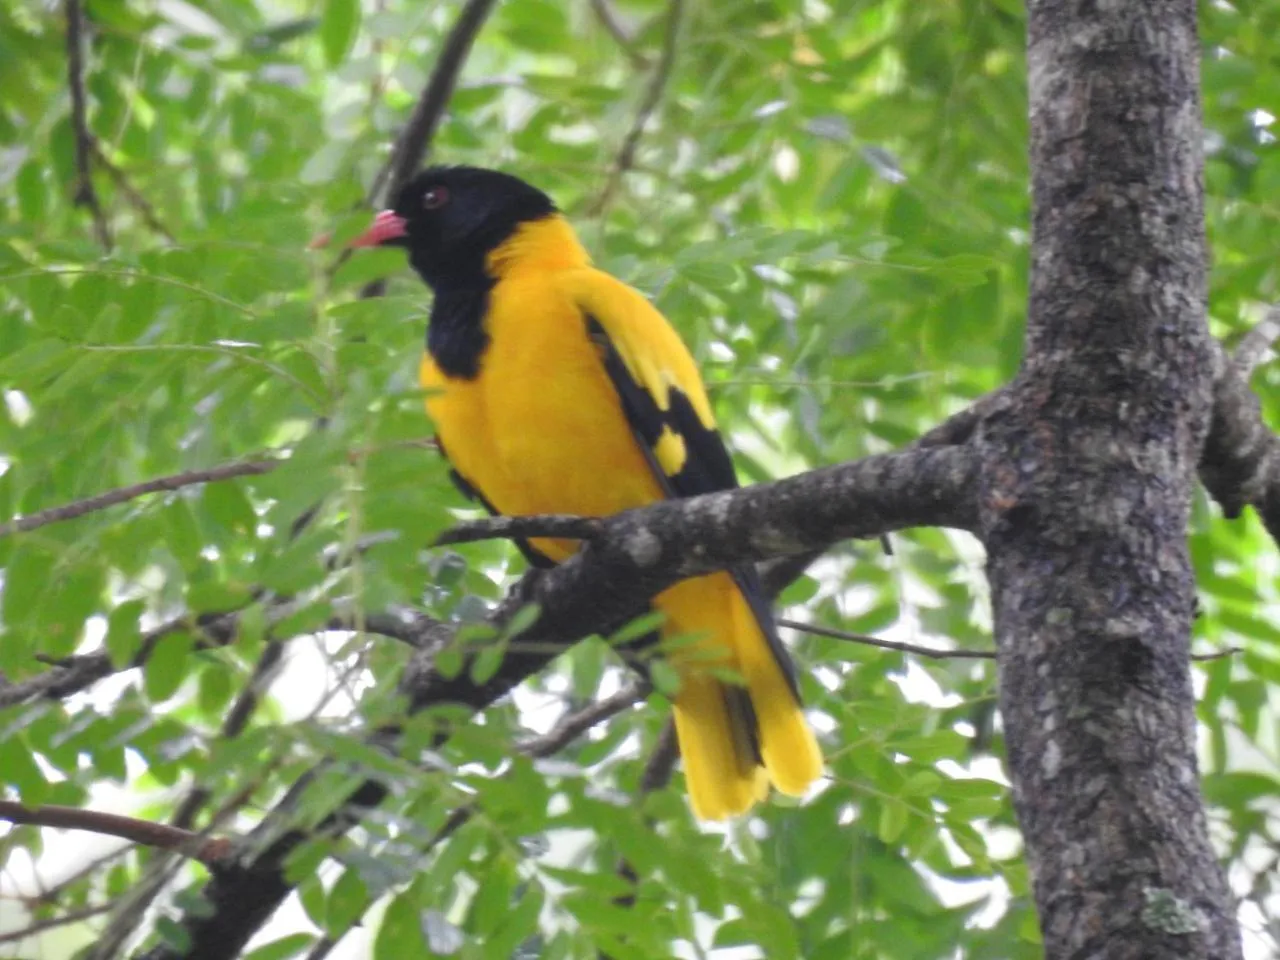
x,y
1240,463
604,586
520,528
414,140
85,194
1086,491
150,834
657,773
901,647
131,193
264,671
608,18
580,721
648,104
52,923
111,498
1257,343
932,652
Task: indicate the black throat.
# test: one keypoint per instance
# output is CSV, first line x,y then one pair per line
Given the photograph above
x,y
456,338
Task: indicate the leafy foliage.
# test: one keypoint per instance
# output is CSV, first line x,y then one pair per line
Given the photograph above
x,y
830,203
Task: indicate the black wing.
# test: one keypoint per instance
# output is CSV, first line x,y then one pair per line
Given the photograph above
x,y
706,468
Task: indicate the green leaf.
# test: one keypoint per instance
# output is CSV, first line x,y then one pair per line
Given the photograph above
x,y
166,667
124,634
665,677
339,26
293,945
347,901
893,820
20,771
400,933
486,663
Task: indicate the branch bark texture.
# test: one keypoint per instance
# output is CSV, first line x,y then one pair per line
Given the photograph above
x,y
609,582
1086,491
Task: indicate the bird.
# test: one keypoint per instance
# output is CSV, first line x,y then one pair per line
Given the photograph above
x,y
556,388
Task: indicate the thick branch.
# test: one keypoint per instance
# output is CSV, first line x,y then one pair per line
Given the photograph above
x,y
1240,464
1086,491
603,587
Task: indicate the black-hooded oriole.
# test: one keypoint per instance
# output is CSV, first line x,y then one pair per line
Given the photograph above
x,y
555,388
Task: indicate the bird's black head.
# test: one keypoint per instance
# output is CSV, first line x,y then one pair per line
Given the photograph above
x,y
451,218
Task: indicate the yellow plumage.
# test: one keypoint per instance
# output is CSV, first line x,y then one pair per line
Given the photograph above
x,y
542,429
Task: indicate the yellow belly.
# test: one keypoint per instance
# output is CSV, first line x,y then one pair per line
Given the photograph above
x,y
542,431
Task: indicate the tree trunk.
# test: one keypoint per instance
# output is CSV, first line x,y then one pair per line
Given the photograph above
x,y
1087,485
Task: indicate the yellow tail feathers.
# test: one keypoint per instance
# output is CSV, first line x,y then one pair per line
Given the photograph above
x,y
714,721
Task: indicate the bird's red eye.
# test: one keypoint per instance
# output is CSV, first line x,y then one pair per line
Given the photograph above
x,y
435,198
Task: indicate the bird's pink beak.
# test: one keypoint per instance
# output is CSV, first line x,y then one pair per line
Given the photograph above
x,y
387,225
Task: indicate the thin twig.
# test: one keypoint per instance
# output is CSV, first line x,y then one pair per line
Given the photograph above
x,y
52,895
158,873
566,731
930,652
145,832
777,575
131,193
656,775
960,427
608,18
52,923
580,721
233,725
652,96
935,654
323,947
175,481
562,526
414,140
1216,654
85,195
1256,344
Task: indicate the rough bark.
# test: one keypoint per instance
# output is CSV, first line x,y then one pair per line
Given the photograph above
x,y
1086,491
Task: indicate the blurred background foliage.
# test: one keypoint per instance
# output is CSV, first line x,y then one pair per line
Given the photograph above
x,y
830,202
